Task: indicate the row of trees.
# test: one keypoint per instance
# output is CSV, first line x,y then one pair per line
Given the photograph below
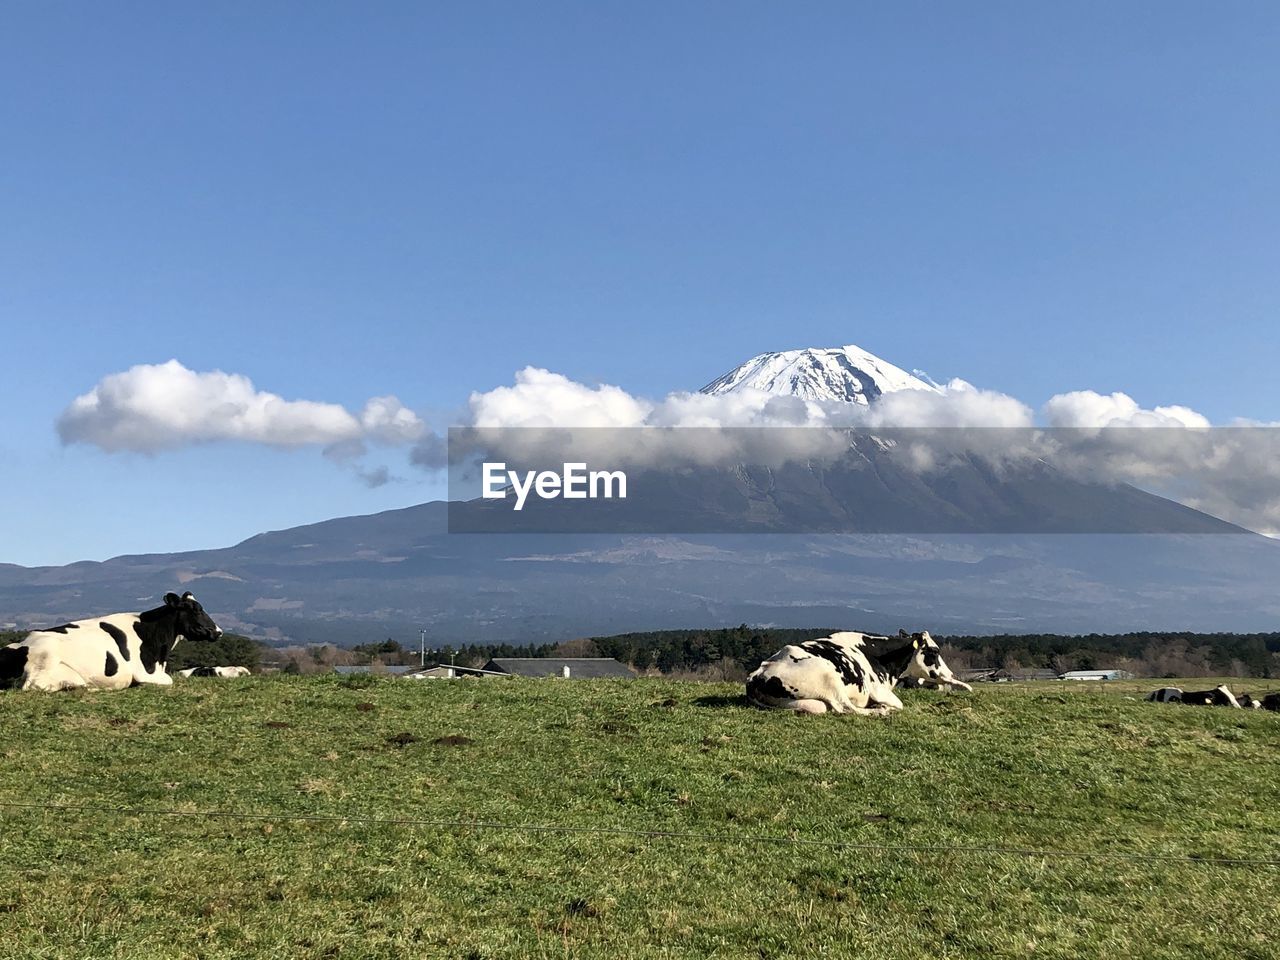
x,y
729,652
1145,653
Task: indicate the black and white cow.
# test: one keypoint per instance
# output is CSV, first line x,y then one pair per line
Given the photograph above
x,y
1166,695
1219,696
847,673
108,653
225,672
1248,701
1271,702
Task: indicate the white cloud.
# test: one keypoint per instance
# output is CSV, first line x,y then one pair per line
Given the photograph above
x,y
1086,409
386,420
1233,472
959,404
155,407
540,398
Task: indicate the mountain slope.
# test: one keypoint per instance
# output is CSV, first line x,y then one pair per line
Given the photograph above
x,y
848,374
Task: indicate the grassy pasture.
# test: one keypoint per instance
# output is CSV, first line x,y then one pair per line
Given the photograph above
x,y
1074,768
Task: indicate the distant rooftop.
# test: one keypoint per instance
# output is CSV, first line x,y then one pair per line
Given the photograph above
x,y
579,667
1097,675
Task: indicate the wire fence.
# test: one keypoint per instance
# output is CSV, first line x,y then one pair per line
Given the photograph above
x,y
640,833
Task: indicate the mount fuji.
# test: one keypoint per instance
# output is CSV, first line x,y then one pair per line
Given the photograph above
x,y
847,373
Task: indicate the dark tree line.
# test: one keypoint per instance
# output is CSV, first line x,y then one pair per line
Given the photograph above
x,y
229,650
1146,653
1151,653
671,650
468,655
476,654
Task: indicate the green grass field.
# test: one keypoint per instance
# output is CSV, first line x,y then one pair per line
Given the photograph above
x,y
888,814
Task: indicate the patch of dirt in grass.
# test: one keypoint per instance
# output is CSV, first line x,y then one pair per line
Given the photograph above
x,y
103,723
719,702
580,907
402,739
452,740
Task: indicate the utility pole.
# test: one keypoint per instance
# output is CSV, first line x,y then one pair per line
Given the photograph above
x,y
422,648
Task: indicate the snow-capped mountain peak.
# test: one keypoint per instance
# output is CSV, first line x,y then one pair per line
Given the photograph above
x,y
849,373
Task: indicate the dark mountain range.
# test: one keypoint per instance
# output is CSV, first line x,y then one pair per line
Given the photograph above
x,y
365,578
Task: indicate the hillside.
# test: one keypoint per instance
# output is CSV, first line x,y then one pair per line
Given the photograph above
x,y
361,579
386,818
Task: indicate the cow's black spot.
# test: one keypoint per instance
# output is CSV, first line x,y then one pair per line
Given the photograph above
x,y
205,672
849,669
61,628
118,636
1199,698
932,657
111,668
13,663
769,687
157,638
892,664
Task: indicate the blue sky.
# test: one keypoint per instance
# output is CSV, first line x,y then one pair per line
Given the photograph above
x,y
347,201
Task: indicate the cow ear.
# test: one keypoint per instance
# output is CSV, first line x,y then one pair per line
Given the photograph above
x,y
171,599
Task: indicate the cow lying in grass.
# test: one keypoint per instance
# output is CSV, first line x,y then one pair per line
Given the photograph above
x,y
224,672
108,653
847,673
1219,696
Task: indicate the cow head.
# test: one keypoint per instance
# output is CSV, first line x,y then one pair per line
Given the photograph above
x,y
927,665
190,620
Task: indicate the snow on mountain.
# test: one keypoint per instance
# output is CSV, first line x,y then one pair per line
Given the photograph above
x,y
850,374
